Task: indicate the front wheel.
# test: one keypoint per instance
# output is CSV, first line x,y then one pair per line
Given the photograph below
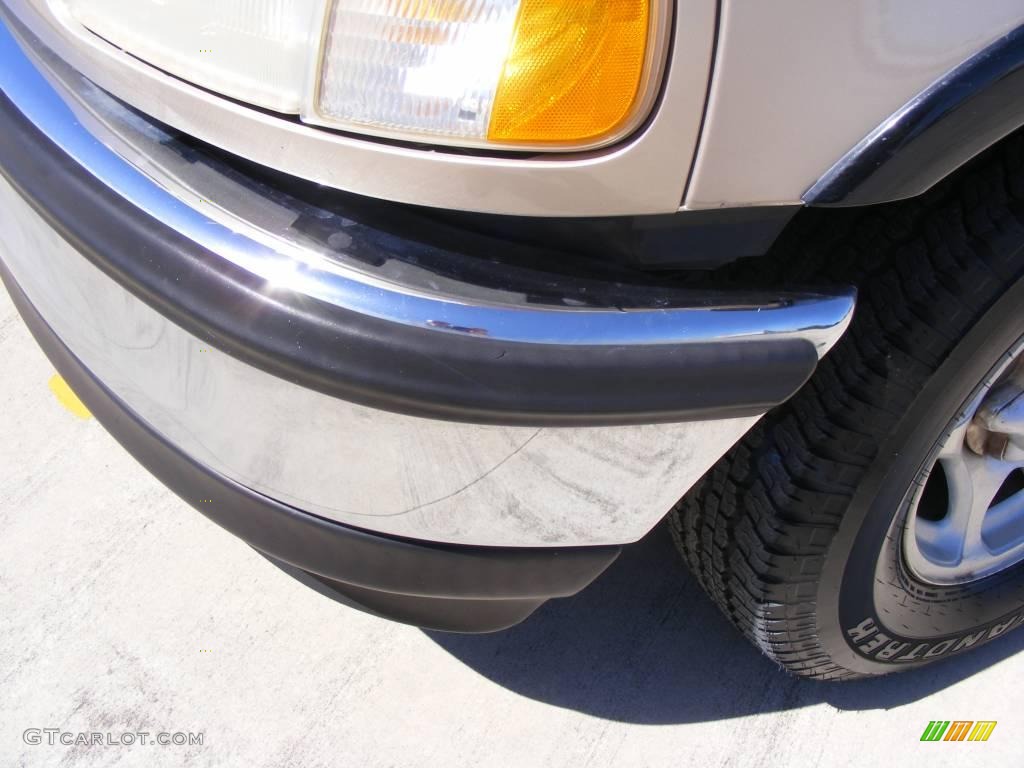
x,y
876,521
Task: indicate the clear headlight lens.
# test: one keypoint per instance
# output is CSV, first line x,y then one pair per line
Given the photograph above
x,y
429,66
255,51
508,73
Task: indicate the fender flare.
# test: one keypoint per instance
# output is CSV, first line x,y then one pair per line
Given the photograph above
x,y
957,117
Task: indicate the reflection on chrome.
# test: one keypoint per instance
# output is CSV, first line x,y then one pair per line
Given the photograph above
x,y
669,316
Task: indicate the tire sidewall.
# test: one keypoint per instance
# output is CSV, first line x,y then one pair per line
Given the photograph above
x,y
851,623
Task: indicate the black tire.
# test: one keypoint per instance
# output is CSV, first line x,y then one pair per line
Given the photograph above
x,y
796,533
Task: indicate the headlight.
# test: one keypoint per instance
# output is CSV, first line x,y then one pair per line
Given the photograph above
x,y
255,51
535,74
505,71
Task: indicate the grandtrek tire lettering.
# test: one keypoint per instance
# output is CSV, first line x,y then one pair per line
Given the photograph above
x,y
868,639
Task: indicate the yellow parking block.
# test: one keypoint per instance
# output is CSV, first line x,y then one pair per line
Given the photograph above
x,y
67,398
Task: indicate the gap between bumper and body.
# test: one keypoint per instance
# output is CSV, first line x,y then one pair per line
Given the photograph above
x,y
343,417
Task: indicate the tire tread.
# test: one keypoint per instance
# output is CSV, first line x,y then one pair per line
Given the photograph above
x,y
756,530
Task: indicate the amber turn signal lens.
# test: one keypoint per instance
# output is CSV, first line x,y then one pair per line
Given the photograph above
x,y
573,72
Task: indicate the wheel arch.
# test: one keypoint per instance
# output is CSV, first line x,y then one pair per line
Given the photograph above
x,y
966,111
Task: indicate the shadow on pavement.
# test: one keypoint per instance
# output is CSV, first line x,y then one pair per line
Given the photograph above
x,y
643,644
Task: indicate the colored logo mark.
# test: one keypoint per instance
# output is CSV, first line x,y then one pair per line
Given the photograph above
x,y
958,730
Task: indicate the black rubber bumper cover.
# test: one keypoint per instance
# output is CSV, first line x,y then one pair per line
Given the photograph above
x,y
381,364
446,587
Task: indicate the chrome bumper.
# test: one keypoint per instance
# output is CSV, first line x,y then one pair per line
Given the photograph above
x,y
365,448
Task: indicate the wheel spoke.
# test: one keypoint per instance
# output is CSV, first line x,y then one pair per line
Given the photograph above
x,y
1004,525
972,481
